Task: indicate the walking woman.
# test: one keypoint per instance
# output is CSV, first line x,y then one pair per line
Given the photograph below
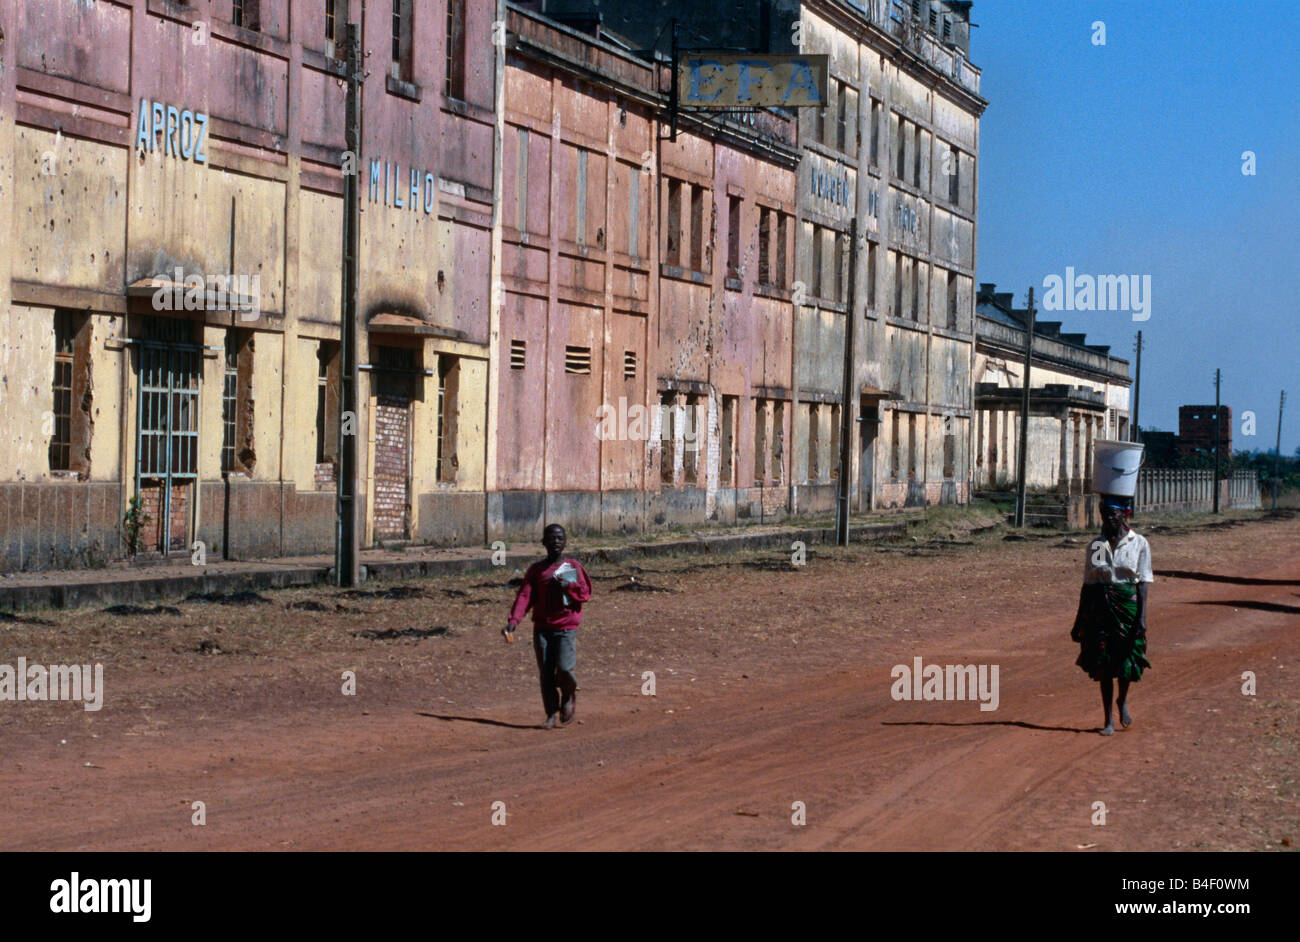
x,y
1111,623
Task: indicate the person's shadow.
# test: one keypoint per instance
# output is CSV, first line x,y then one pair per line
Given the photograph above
x,y
485,721
1021,723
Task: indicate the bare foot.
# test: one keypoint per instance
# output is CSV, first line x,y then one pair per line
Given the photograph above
x,y
1108,730
550,721
1125,719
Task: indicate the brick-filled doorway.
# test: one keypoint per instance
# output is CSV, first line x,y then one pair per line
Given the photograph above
x,y
394,371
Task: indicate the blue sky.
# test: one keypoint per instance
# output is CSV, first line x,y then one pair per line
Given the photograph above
x,y
1127,159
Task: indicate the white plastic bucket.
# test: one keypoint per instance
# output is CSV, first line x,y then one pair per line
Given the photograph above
x,y
1115,466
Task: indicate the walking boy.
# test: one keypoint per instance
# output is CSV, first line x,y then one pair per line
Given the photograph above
x,y
554,588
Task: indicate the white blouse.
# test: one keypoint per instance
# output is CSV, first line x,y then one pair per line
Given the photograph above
x,y
1128,561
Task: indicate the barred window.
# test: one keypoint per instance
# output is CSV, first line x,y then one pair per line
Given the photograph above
x,y
229,402
65,333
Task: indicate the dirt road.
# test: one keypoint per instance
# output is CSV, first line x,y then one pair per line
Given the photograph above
x,y
772,688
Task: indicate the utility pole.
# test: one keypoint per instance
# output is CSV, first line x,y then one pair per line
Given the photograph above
x,y
847,397
346,546
1277,450
1022,463
1218,438
1133,435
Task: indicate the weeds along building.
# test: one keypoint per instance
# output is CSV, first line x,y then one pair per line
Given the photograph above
x,y
150,147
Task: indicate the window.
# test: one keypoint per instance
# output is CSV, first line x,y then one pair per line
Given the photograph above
x,y
448,411
691,442
229,401
455,71
236,420
916,290
779,270
727,443
954,176
733,237
580,226
898,285
699,259
918,137
875,133
629,364
577,359
778,441
815,275
760,442
517,353
947,28
949,449
332,10
673,252
327,409
894,446
814,443
65,339
911,446
246,13
668,438
764,246
900,170
841,104
952,299
871,275
401,68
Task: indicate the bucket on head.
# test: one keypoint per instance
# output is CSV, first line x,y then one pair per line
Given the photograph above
x,y
1115,466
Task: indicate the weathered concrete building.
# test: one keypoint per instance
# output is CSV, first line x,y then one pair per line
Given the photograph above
x,y
646,308
897,147
170,183
1198,431
1078,394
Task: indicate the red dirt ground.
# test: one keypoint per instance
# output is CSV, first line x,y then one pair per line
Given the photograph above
x,y
773,687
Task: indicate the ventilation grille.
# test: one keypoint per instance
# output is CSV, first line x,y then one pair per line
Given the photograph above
x,y
517,348
629,364
577,359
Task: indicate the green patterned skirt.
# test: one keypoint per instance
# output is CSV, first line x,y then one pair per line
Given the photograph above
x,y
1106,629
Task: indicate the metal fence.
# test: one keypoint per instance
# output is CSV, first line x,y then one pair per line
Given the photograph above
x,y
1193,489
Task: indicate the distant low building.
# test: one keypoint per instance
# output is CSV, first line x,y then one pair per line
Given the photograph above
x,y
1196,430
1078,394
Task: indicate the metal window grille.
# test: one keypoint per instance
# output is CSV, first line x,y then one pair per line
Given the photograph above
x,y
397,31
518,354
629,364
229,402
167,420
577,359
64,339
331,19
455,71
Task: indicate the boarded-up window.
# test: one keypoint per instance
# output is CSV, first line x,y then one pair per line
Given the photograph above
x,y
733,237
581,227
454,77
521,182
577,359
673,224
699,251
727,443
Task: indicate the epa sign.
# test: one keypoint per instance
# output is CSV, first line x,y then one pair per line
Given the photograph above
x,y
717,80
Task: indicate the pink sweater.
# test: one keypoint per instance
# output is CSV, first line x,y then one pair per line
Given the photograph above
x,y
543,595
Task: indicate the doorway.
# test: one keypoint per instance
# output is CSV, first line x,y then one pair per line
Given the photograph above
x,y
394,371
870,427
167,433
